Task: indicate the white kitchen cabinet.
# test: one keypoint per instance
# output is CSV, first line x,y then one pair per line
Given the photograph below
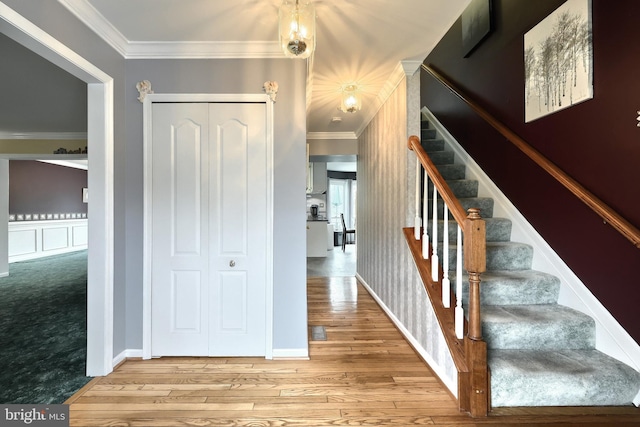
x,y
317,178
316,238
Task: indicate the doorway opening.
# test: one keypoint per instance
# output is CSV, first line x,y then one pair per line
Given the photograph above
x,y
100,180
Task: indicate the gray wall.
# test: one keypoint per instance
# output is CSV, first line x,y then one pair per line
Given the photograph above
x,y
57,21
233,76
386,189
198,76
4,217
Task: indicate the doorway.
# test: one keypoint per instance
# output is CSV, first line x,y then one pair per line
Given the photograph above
x,y
100,180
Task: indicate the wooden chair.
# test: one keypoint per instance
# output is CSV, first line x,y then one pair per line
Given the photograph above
x,y
346,233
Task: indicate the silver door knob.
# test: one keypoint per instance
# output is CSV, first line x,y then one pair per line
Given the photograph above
x,y
232,263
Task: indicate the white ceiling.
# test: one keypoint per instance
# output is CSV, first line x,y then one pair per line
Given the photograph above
x,y
360,41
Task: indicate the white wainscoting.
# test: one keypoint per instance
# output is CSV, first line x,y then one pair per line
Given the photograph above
x,y
36,239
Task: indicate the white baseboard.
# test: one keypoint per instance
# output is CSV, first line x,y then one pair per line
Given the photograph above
x,y
453,387
611,338
4,274
290,354
124,355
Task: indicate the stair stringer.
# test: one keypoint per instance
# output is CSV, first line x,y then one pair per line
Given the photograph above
x,y
611,338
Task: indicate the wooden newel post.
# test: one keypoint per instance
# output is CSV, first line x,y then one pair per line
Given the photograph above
x,y
475,261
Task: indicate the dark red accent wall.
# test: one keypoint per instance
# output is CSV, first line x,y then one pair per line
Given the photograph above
x,y
596,142
37,188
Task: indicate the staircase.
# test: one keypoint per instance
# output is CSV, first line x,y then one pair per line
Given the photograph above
x,y
540,353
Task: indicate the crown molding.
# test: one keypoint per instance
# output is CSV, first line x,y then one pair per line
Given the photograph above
x,y
89,15
410,67
93,19
44,135
395,78
202,50
331,135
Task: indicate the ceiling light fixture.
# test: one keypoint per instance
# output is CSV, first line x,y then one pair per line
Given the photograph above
x,y
297,27
351,101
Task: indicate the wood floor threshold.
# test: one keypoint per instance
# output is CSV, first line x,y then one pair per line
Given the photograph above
x,y
364,374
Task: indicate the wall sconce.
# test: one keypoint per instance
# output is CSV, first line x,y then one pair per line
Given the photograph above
x,y
297,27
351,101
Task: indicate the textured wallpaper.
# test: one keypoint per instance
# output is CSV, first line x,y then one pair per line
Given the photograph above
x,y
386,185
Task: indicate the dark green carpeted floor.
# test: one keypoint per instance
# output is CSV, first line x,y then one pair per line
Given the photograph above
x,y
43,329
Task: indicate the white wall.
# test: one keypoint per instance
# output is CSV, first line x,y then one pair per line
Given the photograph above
x,y
333,147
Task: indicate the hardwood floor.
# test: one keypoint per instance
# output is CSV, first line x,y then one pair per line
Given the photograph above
x,y
364,374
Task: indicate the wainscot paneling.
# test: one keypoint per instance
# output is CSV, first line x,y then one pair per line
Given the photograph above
x,y
36,239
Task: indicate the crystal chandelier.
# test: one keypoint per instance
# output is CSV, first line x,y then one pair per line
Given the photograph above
x,y
297,28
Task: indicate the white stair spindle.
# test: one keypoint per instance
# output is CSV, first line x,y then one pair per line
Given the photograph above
x,y
417,221
446,283
459,313
425,214
434,238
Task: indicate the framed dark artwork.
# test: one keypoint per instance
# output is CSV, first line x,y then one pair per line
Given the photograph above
x,y
477,24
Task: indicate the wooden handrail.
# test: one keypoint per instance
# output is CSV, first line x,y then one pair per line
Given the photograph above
x,y
603,210
444,191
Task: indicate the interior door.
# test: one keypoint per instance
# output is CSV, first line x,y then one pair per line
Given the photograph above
x,y
208,273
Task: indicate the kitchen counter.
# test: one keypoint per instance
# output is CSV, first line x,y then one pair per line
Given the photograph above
x,y
319,218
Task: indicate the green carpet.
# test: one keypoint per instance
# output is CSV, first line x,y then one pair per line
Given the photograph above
x,y
43,331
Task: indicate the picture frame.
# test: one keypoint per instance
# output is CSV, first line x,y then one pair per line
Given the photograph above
x,y
477,24
552,84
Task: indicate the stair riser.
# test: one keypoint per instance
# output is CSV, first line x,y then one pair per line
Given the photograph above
x,y
560,378
497,230
510,292
555,336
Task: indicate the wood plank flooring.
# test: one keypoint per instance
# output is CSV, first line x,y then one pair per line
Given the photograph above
x,y
364,374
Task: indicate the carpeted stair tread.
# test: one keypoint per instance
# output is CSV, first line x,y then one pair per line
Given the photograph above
x,y
442,157
517,287
452,171
500,255
426,134
433,145
537,326
560,378
461,188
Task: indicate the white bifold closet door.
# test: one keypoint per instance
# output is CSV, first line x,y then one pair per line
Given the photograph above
x,y
209,228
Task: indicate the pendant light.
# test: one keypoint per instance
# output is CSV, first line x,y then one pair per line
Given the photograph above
x,y
351,101
297,27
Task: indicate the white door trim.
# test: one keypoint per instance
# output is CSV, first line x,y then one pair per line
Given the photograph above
x,y
100,180
148,187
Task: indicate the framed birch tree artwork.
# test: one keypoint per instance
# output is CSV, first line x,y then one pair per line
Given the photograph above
x,y
558,60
